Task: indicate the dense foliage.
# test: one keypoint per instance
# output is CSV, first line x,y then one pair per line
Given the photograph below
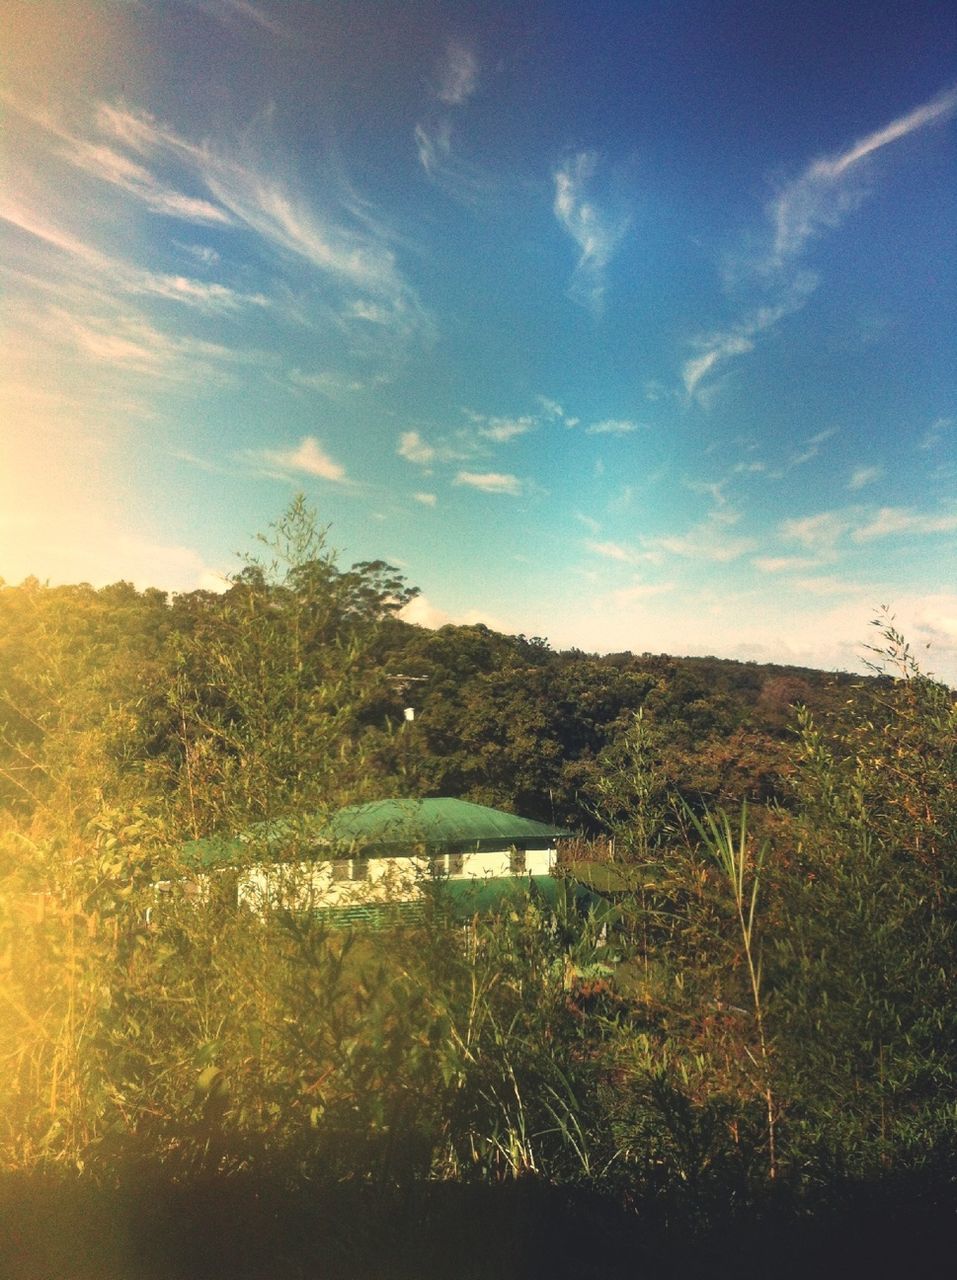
x,y
754,1001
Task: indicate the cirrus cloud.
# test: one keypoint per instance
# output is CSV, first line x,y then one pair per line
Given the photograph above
x,y
490,482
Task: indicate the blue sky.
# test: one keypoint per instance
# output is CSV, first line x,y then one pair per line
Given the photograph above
x,y
628,325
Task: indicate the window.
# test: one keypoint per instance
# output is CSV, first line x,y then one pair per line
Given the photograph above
x,y
456,864
360,868
437,865
516,861
340,869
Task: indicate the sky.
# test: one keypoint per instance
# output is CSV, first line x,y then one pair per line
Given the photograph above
x,y
627,325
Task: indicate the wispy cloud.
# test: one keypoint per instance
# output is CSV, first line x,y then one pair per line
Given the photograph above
x,y
112,166
352,251
817,200
897,520
501,430
717,348
819,532
308,457
122,339
807,451
862,476
490,482
709,541
113,273
42,229
713,489
612,551
245,9
456,80
457,74
783,564
551,408
612,427
596,235
456,175
821,196
414,449
426,499
434,147
937,432
289,223
203,253
104,162
326,382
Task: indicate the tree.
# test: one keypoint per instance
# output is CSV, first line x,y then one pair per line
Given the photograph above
x,y
272,687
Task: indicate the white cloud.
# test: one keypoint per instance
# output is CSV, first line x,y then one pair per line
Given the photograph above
x,y
201,252
783,564
353,250
707,542
720,347
457,176
434,146
612,427
937,432
125,340
822,195
612,551
113,273
111,166
891,520
819,198
326,382
717,348
810,449
226,9
501,430
863,476
714,489
596,236
308,457
551,408
457,80
421,612
819,532
288,222
490,482
458,74
414,449
427,499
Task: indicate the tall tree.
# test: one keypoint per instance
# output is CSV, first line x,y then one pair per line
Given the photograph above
x,y
272,686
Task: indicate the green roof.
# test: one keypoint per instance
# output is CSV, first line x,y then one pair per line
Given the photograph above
x,y
386,826
439,824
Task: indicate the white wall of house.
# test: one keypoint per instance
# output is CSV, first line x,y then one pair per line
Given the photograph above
x,y
345,882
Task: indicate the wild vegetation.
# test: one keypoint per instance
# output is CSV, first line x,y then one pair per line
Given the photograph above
x,y
746,1029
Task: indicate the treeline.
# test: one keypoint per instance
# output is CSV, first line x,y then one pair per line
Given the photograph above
x,y
750,1028
290,689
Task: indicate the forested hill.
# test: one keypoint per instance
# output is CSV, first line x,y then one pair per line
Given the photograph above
x,y
305,675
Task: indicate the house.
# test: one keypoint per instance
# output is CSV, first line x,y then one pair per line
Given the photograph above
x,y
386,859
